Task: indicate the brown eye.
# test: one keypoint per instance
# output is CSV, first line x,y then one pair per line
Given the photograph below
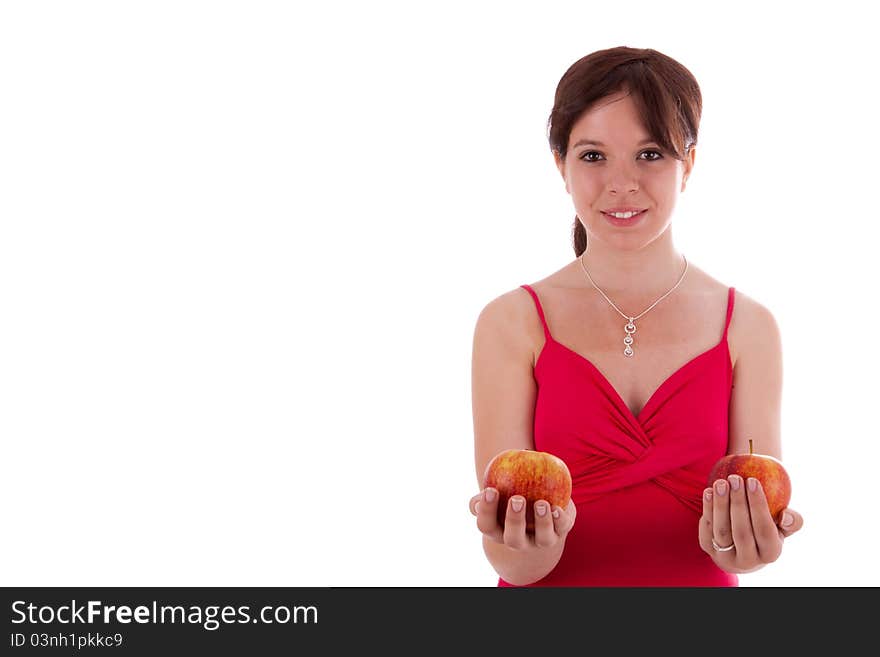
x,y
655,155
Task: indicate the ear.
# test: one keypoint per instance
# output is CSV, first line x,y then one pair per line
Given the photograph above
x,y
560,164
688,166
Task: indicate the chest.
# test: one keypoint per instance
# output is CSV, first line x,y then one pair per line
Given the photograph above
x,y
664,340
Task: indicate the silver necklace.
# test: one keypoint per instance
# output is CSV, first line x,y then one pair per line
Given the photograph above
x,y
630,327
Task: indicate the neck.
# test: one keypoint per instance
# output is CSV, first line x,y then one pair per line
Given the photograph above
x,y
623,274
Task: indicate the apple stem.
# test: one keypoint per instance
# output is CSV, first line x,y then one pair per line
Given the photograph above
x,y
750,446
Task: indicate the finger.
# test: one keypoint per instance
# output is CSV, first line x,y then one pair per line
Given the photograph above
x,y
487,515
545,535
791,522
721,531
472,505
563,519
515,523
741,522
706,523
767,535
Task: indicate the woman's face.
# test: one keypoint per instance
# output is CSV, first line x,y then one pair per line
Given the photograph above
x,y
611,163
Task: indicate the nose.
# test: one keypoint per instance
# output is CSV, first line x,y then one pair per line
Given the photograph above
x,y
622,178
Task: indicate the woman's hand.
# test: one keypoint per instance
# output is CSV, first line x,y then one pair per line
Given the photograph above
x,y
551,524
737,518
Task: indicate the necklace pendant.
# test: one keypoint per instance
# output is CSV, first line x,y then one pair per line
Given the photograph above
x,y
630,328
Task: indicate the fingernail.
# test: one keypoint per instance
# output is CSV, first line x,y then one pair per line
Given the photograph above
x,y
735,482
541,509
787,519
555,513
708,494
517,504
490,494
753,484
721,487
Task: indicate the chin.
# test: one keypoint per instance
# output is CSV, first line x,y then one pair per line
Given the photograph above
x,y
627,239
630,237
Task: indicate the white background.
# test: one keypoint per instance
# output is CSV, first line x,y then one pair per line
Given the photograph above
x,y
243,246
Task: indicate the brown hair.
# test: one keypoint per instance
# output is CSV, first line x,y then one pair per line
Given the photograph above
x,y
665,93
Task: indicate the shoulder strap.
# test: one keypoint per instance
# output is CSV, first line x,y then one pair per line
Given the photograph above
x,y
730,297
540,310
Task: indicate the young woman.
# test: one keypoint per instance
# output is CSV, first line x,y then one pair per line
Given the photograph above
x,y
630,363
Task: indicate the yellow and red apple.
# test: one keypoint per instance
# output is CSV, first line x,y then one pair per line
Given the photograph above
x,y
763,467
532,474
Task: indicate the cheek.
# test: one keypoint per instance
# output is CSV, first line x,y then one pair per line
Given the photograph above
x,y
661,187
586,187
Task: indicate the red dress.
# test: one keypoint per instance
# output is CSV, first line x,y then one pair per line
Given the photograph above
x,y
637,481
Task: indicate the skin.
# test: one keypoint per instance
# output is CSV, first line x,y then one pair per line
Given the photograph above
x,y
634,266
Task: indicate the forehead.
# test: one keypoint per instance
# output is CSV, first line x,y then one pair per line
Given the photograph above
x,y
614,119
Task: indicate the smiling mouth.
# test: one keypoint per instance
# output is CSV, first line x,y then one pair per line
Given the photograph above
x,y
631,216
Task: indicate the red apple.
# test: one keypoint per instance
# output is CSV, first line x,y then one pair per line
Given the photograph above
x,y
532,474
763,467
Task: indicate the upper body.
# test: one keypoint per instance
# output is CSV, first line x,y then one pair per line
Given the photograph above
x,y
608,159
611,544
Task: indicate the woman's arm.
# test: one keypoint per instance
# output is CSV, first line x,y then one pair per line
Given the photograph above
x,y
504,391
735,513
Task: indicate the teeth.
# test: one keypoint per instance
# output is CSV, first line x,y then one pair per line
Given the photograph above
x,y
622,215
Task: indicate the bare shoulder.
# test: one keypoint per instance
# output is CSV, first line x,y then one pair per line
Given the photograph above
x,y
511,318
507,306
753,328
752,325
752,310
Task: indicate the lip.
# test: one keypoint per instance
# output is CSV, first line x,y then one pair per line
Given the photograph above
x,y
624,222
624,208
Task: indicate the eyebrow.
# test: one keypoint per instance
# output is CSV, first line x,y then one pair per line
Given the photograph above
x,y
584,142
